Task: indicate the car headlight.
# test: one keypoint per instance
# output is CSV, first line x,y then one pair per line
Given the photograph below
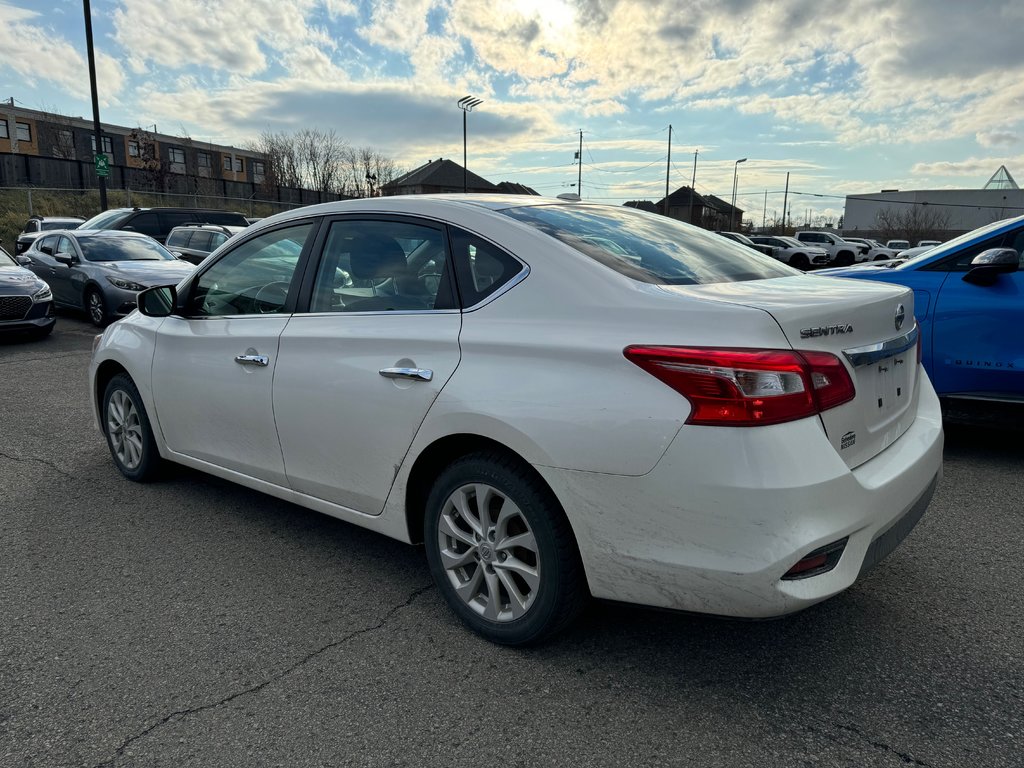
x,y
126,285
42,294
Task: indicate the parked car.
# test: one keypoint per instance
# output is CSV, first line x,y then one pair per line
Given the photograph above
x,y
739,237
158,222
876,251
928,243
101,271
26,302
791,251
842,252
552,418
195,243
968,303
897,245
39,224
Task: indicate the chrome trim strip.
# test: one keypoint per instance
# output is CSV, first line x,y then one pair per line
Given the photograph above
x,y
520,276
872,353
259,360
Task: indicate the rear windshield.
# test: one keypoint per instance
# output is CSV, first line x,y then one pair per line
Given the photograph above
x,y
123,249
648,247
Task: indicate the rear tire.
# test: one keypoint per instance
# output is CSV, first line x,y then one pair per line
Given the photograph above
x,y
799,261
128,431
501,550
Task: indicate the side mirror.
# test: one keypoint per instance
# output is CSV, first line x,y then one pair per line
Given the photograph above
x,y
65,259
988,265
25,261
159,301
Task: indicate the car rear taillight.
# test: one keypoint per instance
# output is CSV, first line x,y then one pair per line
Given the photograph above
x,y
748,387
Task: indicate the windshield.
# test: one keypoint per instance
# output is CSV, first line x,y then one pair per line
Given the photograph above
x,y
648,247
59,224
792,242
101,248
949,245
6,260
105,220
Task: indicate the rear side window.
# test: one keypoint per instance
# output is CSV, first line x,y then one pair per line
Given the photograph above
x,y
650,248
171,219
179,237
481,268
200,240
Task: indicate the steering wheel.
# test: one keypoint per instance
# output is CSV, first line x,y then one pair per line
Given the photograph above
x,y
271,297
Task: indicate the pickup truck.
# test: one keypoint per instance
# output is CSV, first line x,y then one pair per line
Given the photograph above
x,y
843,253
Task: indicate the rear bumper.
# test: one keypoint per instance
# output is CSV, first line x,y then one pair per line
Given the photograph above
x,y
715,526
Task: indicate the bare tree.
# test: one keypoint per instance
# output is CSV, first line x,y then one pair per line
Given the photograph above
x,y
365,171
157,170
281,167
912,223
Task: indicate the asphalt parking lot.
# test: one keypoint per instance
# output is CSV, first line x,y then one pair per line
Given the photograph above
x,y
196,623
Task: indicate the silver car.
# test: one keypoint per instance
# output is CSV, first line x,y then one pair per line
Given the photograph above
x,y
101,271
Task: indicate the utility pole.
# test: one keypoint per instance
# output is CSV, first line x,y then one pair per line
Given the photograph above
x,y
785,199
668,165
693,184
764,211
579,169
95,99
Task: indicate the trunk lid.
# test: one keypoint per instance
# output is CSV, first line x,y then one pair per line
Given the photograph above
x,y
858,322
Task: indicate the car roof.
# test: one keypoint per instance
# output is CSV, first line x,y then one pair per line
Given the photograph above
x,y
936,252
96,233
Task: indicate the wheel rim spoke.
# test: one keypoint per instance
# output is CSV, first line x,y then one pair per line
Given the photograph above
x,y
489,552
124,428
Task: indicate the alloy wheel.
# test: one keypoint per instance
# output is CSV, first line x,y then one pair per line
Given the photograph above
x,y
96,309
124,429
489,552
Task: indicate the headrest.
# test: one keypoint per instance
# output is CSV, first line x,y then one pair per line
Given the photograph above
x,y
375,257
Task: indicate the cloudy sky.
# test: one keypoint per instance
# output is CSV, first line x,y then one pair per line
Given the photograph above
x,y
849,97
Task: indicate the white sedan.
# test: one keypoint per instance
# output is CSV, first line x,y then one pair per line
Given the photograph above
x,y
558,399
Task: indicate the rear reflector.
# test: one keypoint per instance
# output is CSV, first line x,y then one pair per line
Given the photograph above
x,y
821,560
748,387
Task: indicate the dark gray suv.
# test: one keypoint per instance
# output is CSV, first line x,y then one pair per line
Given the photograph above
x,y
195,243
158,222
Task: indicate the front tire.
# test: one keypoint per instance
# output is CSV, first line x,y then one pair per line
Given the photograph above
x,y
501,550
96,308
799,261
844,259
128,431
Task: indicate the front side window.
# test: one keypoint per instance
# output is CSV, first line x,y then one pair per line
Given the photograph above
x,y
649,248
253,279
382,266
46,243
64,247
148,223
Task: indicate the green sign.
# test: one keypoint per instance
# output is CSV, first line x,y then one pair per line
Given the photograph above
x,y
102,165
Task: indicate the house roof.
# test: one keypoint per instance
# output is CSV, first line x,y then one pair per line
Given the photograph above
x,y
512,188
720,205
643,205
681,197
441,173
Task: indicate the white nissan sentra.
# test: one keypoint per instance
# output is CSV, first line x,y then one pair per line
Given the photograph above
x,y
558,399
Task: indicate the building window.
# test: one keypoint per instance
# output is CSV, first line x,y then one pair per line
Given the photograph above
x,y
3,129
239,166
108,145
65,146
227,162
133,149
177,155
24,132
203,159
257,167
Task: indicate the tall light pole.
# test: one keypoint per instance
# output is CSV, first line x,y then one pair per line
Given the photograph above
x,y
466,104
732,210
95,99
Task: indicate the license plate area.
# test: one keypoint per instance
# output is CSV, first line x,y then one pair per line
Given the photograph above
x,y
890,383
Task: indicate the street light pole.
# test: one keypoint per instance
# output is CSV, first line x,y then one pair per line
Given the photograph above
x,y
732,209
95,98
466,104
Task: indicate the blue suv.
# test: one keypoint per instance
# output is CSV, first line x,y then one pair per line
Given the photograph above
x,y
969,300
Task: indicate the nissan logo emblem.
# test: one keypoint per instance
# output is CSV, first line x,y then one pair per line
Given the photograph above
x,y
901,313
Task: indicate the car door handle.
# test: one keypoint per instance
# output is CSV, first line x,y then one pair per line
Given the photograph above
x,y
413,374
261,360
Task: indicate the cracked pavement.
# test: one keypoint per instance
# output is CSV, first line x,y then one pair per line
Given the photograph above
x,y
195,623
